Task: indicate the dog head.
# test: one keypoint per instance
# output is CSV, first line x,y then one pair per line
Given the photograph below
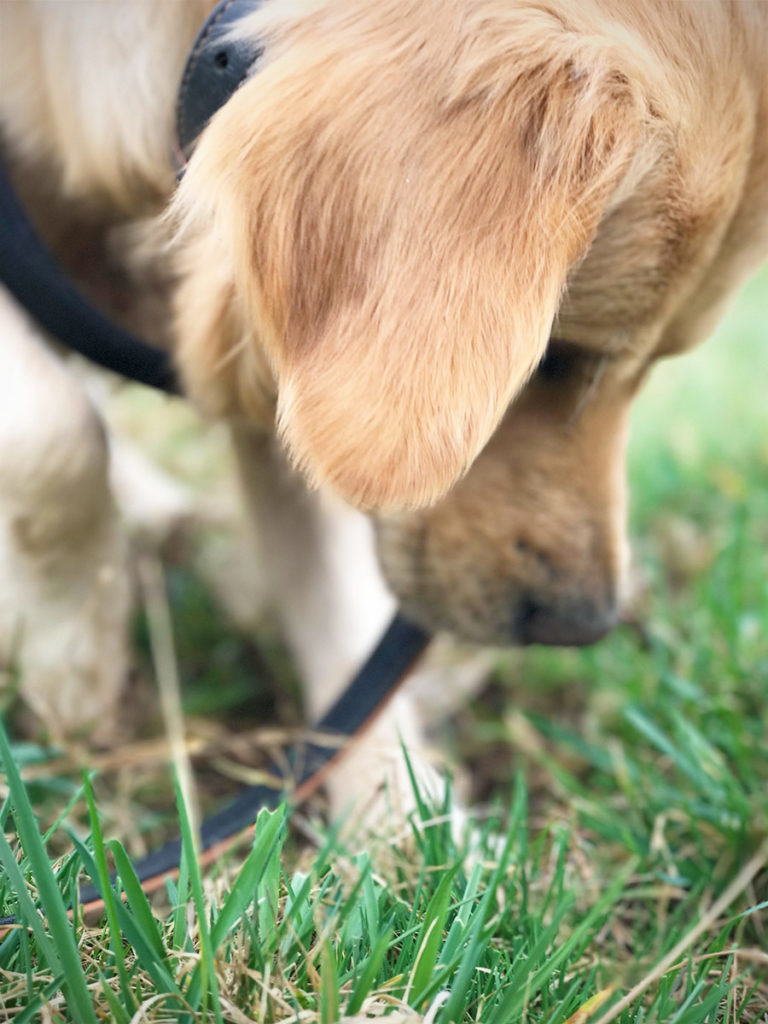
x,y
444,241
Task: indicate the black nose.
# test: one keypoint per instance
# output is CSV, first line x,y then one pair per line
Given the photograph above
x,y
571,623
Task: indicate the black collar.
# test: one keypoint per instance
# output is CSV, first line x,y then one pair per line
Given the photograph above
x,y
218,64
37,282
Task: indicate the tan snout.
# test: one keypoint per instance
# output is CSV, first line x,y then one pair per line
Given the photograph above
x,y
530,546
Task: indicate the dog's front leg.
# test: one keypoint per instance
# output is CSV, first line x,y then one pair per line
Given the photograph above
x,y
64,595
325,583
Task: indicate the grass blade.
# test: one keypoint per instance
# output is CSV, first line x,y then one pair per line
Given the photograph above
x,y
269,830
329,986
365,982
204,982
108,895
135,931
27,914
431,935
137,900
66,955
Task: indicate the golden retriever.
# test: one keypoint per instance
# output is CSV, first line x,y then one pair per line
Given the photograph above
x,y
436,245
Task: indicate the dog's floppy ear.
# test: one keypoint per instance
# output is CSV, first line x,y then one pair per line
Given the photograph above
x,y
396,203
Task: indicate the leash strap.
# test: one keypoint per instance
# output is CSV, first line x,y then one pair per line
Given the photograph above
x,y
32,276
217,65
395,654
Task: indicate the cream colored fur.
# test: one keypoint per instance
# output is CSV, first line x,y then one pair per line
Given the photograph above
x,y
64,593
434,245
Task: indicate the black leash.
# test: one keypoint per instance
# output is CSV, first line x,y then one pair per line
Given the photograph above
x,y
217,65
392,658
397,650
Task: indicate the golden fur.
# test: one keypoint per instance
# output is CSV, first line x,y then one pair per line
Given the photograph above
x,y
437,244
392,214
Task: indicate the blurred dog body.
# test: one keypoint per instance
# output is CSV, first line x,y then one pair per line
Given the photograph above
x,y
434,246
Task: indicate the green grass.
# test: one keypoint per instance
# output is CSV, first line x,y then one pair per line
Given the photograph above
x,y
530,926
625,789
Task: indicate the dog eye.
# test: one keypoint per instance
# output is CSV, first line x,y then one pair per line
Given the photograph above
x,y
561,362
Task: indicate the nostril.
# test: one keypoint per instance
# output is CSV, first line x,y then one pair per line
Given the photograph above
x,y
535,559
574,623
526,610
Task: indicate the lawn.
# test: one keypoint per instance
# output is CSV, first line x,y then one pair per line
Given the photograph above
x,y
618,867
